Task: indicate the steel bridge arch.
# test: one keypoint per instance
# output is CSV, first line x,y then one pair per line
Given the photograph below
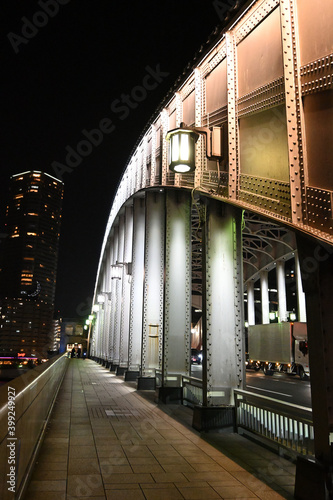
x,y
270,90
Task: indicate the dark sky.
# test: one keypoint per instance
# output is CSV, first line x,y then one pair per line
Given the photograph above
x,y
62,78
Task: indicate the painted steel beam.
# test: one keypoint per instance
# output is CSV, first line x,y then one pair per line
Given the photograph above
x,y
152,335
223,325
177,301
126,288
136,299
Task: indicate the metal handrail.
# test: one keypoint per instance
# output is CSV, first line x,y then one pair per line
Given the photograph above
x,y
197,381
195,396
287,425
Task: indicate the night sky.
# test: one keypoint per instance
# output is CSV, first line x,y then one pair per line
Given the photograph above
x,y
66,76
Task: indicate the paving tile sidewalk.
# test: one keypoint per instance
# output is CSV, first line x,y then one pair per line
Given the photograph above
x,y
107,441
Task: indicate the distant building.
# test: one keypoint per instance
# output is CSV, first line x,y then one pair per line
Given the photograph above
x,y
55,335
73,335
29,256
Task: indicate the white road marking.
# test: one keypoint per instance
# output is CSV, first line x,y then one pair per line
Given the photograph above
x,y
266,390
285,381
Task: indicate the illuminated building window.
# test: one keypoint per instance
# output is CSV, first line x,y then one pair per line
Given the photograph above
x,y
17,196
31,234
32,213
14,235
36,175
28,258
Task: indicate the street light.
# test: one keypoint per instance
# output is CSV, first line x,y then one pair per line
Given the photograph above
x,y
116,272
182,146
182,149
117,267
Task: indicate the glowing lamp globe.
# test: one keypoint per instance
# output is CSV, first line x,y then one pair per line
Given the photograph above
x,y
182,150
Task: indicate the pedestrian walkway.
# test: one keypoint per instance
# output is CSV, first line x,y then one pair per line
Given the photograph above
x,y
105,440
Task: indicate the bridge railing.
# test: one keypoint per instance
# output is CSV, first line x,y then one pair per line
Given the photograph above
x,y
26,403
192,391
287,425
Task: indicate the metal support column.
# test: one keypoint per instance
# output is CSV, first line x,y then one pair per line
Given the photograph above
x,y
114,298
301,306
98,332
264,297
314,478
281,288
107,290
105,311
110,303
136,302
152,335
126,292
117,332
177,302
293,109
223,325
251,313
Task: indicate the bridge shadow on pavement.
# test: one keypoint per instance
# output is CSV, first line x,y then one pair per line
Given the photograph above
x,y
105,440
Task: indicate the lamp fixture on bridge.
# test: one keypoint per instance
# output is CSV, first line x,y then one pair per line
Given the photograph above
x,y
182,146
116,272
117,267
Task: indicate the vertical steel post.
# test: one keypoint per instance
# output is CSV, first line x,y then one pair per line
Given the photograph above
x,y
224,304
293,107
136,302
200,157
281,288
111,301
264,297
251,316
152,339
126,289
114,297
104,311
314,478
120,254
107,290
177,300
232,115
301,306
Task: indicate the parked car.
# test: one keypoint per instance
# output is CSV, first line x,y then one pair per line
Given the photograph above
x,y
196,357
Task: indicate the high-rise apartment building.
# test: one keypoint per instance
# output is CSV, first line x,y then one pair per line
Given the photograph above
x,y
29,258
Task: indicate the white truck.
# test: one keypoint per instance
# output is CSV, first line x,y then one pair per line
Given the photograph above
x,y
280,347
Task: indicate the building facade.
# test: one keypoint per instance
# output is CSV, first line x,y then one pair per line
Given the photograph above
x,y
29,264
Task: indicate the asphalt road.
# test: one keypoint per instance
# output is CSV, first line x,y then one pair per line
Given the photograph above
x,y
279,386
